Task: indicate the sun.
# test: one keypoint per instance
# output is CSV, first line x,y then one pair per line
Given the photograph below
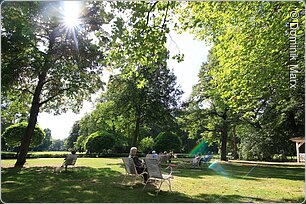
x,y
71,21
72,11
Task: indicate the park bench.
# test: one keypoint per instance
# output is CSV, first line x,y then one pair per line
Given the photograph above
x,y
70,160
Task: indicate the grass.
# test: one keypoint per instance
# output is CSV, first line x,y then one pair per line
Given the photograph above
x,y
42,152
98,180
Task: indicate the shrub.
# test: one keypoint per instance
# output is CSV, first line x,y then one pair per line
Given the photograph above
x,y
80,142
167,141
14,133
100,141
146,144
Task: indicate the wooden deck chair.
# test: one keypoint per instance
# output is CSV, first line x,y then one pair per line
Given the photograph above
x,y
130,169
70,160
155,173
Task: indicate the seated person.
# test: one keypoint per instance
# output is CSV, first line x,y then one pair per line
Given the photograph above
x,y
206,158
154,155
164,157
140,167
196,160
170,156
69,158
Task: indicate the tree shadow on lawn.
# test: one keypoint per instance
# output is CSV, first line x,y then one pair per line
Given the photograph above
x,y
239,171
100,185
79,184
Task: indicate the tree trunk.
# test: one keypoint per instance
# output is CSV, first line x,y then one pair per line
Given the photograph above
x,y
292,125
235,141
137,129
224,136
114,128
26,140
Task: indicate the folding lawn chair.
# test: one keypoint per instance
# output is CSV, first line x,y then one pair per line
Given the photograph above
x,y
162,158
130,169
155,173
206,159
196,162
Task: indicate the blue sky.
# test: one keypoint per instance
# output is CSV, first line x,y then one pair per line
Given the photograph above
x,y
195,53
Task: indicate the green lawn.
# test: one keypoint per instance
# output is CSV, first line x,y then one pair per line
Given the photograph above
x,y
98,180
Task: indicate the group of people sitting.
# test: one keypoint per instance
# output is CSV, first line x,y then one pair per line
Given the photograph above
x,y
163,157
198,159
140,165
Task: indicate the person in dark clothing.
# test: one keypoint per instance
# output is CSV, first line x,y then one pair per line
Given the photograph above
x,y
170,156
139,164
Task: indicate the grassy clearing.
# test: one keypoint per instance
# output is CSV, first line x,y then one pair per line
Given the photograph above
x,y
99,180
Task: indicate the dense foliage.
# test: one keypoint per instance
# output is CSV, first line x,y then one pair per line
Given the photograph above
x,y
100,142
249,100
73,136
14,133
146,145
167,141
247,79
46,143
46,64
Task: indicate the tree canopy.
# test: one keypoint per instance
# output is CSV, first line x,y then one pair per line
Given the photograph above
x,y
57,66
249,68
14,133
249,98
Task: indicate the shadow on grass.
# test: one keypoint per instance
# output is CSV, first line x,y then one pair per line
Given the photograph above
x,y
102,185
79,184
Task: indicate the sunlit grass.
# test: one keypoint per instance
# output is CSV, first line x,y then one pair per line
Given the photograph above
x,y
99,180
45,152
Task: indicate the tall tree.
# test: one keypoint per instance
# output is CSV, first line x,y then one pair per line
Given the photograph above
x,y
145,88
104,118
255,43
252,50
50,56
73,135
151,103
208,116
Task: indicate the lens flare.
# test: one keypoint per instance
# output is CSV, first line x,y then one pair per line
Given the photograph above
x,y
71,19
200,148
71,14
216,167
